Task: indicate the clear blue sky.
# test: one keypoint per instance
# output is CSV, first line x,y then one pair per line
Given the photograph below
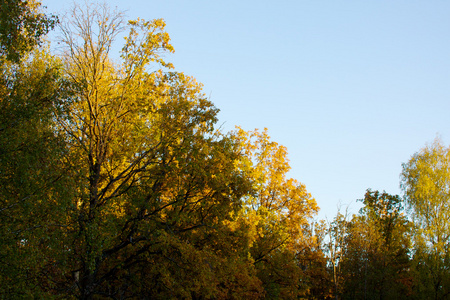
x,y
351,88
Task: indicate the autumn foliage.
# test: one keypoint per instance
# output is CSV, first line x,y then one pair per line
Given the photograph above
x,y
116,183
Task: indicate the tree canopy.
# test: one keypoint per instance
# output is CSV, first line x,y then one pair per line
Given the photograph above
x,y
115,182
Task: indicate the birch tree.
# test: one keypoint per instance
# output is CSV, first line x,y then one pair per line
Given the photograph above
x,y
425,180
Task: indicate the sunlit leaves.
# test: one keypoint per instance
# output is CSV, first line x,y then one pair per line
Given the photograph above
x,y
284,209
126,187
426,183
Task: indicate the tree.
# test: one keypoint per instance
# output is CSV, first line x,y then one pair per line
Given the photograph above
x,y
115,183
284,210
313,261
32,179
425,180
22,26
376,260
337,231
157,187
